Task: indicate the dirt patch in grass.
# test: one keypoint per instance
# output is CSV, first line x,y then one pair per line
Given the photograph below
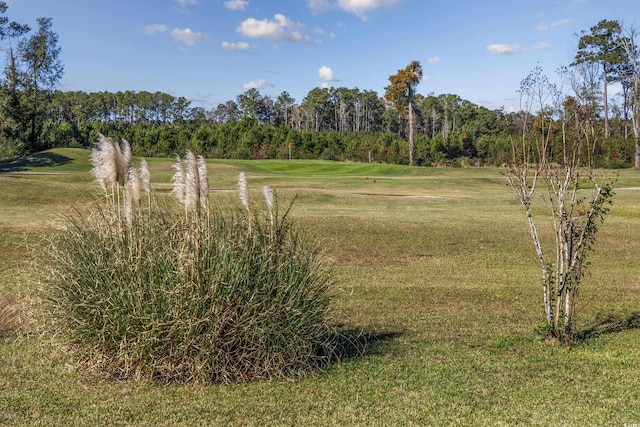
x,y
408,196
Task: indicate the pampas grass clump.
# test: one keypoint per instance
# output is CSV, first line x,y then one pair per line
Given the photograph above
x,y
191,293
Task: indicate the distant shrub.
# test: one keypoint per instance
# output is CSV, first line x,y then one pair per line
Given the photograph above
x,y
194,294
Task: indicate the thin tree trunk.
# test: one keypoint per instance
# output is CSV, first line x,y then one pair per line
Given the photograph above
x,y
410,133
605,102
635,118
568,312
556,318
433,123
546,274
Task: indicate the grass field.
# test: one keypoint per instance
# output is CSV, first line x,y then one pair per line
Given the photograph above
x,y
435,266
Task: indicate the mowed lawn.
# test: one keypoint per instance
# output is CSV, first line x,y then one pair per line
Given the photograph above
x,y
434,266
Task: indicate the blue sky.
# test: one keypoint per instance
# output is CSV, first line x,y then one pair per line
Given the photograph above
x,y
210,51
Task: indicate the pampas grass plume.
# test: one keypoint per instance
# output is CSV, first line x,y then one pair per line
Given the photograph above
x,y
125,148
243,189
178,180
103,158
145,177
133,185
132,193
192,182
118,159
204,181
268,199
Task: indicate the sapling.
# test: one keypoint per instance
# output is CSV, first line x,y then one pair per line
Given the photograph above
x,y
560,172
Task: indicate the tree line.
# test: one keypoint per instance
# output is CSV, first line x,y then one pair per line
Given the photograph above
x,y
348,124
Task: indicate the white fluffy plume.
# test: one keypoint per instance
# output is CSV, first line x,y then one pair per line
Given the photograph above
x,y
132,193
243,190
145,177
103,159
204,180
192,182
268,199
125,150
133,185
118,160
178,179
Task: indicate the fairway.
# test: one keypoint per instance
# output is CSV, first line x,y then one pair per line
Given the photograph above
x,y
434,267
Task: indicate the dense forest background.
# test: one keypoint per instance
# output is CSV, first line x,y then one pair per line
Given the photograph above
x,y
346,124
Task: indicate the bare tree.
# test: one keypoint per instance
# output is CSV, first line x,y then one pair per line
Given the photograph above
x,y
557,169
633,80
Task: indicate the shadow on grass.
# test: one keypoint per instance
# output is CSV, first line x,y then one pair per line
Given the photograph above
x,y
609,324
36,160
353,343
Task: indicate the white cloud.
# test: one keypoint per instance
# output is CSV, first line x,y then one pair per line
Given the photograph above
x,y
545,27
542,46
236,4
325,73
434,60
235,46
187,36
280,29
256,84
505,49
360,8
155,28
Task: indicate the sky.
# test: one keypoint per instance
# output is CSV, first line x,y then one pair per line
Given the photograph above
x,y
211,51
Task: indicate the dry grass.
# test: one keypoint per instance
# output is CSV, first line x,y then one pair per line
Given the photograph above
x,y
9,315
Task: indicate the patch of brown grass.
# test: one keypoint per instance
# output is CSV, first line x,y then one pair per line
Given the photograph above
x,y
9,315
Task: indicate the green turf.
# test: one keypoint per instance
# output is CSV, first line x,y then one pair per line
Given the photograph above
x,y
436,267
